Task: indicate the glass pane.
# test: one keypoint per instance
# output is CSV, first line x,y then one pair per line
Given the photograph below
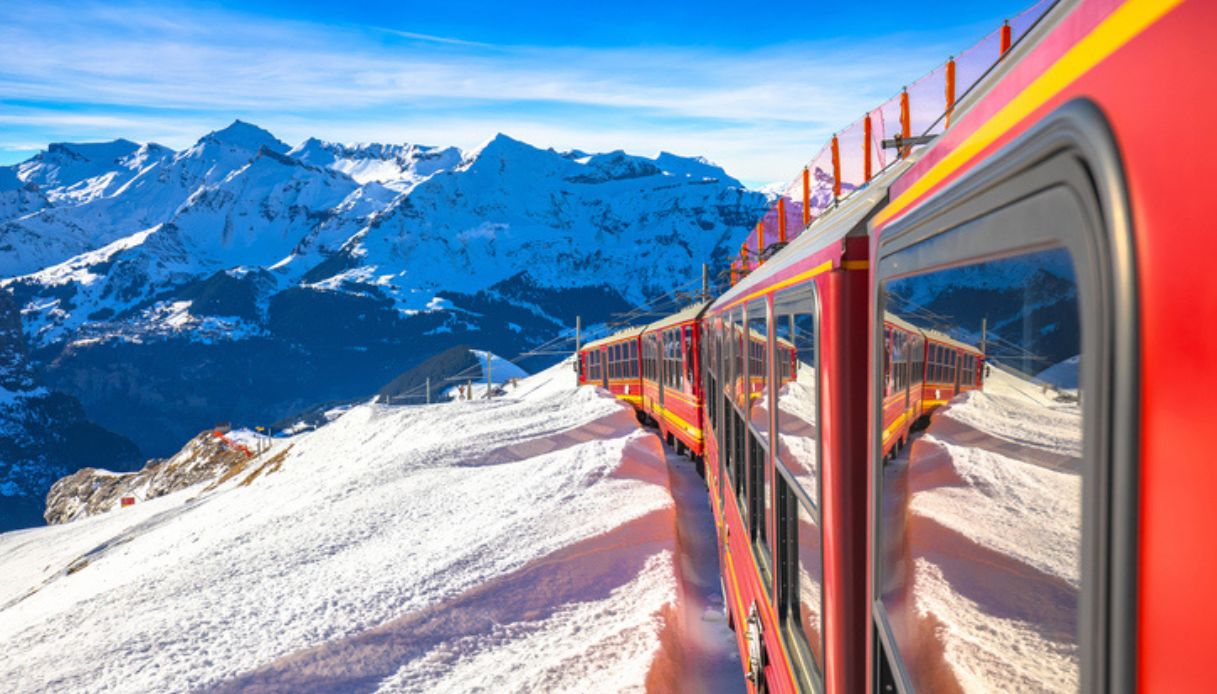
x,y
738,375
758,369
810,590
982,505
795,334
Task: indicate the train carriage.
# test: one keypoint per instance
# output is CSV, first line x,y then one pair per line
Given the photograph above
x,y
615,364
784,463
1036,537
671,384
951,367
954,431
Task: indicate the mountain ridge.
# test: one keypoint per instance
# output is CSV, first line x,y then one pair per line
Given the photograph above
x,y
283,277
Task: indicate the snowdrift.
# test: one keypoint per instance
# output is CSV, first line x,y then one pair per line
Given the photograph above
x,y
524,543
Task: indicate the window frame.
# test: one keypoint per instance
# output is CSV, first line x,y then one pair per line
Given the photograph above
x,y
785,590
1067,167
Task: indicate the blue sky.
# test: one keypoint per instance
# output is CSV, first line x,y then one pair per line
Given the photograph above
x,y
756,88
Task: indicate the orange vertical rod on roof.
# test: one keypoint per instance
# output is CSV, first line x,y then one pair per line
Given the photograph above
x,y
836,167
734,272
1005,37
760,241
906,121
743,256
782,220
950,89
806,197
866,145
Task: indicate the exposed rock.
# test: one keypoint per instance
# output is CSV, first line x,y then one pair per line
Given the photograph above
x,y
205,458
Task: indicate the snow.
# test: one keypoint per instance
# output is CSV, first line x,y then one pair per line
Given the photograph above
x,y
1063,374
994,532
132,225
524,542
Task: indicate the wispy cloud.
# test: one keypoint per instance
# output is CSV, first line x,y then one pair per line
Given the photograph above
x,y
103,70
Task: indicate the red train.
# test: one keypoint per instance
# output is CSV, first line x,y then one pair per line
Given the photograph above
x,y
954,430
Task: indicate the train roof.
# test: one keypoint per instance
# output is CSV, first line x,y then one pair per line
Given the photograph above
x,y
929,333
844,219
618,336
833,225
939,336
940,147
684,315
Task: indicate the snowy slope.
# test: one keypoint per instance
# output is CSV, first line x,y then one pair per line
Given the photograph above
x,y
524,543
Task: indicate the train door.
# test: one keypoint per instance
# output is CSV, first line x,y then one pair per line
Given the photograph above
x,y
665,367
1000,567
690,360
959,370
604,366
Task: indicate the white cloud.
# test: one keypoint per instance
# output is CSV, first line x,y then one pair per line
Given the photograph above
x,y
760,113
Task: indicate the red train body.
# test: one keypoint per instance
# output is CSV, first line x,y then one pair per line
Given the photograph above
x,y
614,363
954,431
671,387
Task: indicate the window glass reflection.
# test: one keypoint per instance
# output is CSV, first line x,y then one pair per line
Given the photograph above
x,y
794,328
982,488
758,369
810,589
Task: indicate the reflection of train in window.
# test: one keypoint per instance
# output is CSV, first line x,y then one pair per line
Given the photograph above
x,y
954,431
923,368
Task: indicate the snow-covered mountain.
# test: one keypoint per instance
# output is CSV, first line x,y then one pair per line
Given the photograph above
x,y
244,279
564,562
44,434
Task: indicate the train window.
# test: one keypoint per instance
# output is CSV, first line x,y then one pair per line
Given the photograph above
x,y
794,323
809,586
756,412
690,360
653,357
758,369
674,370
980,523
737,430
795,389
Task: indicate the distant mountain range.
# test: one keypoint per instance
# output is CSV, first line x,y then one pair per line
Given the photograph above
x,y
242,279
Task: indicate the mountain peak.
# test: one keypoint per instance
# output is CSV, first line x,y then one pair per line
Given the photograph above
x,y
502,144
246,136
107,152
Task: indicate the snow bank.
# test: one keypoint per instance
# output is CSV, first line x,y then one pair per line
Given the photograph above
x,y
994,528
519,543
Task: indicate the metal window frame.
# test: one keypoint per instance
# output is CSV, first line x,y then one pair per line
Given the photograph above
x,y
790,628
1070,157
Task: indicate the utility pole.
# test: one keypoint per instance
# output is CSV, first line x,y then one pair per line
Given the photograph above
x,y
469,389
428,390
705,282
984,329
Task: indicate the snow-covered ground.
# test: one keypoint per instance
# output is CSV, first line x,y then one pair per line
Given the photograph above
x,y
990,495
526,543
